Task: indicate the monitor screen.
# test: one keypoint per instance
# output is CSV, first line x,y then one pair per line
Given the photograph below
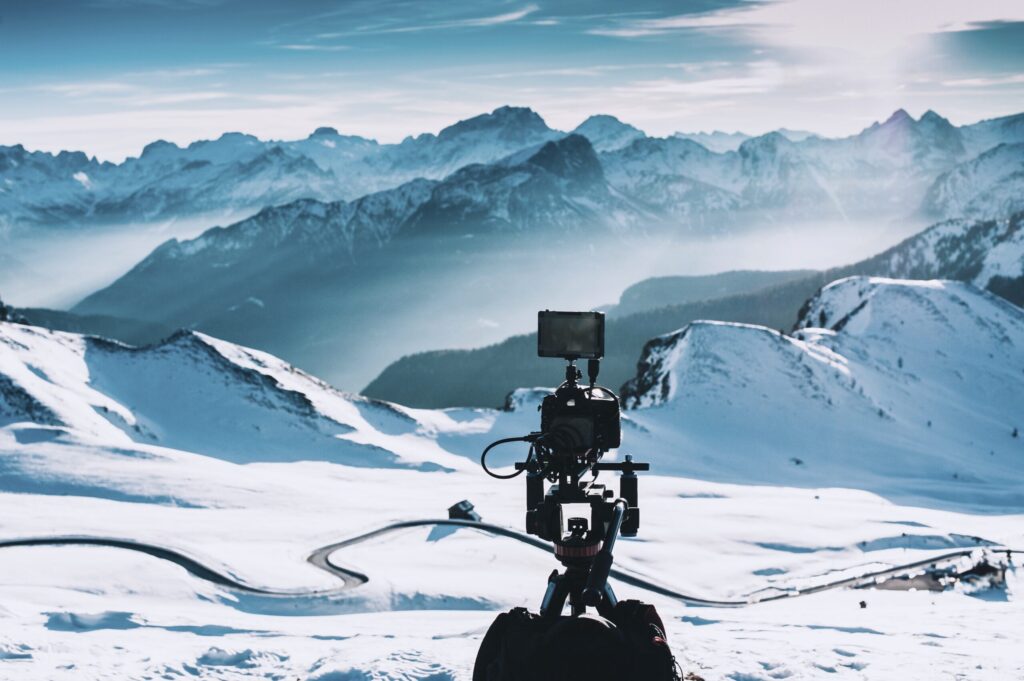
x,y
571,335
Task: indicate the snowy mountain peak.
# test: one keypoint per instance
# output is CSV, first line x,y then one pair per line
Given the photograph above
x,y
607,133
510,121
159,147
325,131
769,143
899,117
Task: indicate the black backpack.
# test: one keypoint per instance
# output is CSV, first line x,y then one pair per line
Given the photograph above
x,y
650,656
629,646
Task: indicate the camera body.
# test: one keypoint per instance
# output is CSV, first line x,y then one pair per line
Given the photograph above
x,y
579,419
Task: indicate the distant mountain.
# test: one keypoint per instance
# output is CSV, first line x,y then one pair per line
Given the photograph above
x,y
884,171
984,135
650,294
716,141
989,186
608,133
284,278
679,178
987,254
721,142
481,139
781,177
559,187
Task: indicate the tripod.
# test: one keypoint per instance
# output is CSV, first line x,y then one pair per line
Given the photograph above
x,y
586,551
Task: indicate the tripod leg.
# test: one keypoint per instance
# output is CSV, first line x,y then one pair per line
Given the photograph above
x,y
554,597
607,603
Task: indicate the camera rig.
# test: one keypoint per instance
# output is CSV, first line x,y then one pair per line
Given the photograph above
x,y
580,423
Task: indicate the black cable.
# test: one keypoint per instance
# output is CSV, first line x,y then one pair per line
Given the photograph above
x,y
483,456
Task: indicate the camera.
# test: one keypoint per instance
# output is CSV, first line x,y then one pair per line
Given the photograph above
x,y
579,423
566,505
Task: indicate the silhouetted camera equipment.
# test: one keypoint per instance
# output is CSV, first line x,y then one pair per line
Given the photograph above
x,y
565,504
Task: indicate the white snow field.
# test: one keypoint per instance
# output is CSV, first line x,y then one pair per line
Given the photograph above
x,y
884,432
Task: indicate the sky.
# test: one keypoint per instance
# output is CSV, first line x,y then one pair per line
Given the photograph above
x,y
109,76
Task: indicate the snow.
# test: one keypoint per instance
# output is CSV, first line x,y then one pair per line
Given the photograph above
x,y
160,445
83,179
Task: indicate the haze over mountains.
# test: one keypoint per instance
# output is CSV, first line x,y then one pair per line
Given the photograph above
x,y
988,254
435,227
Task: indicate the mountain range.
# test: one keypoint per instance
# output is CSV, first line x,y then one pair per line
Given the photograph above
x,y
784,171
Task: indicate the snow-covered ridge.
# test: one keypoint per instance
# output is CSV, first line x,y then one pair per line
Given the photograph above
x,y
986,253
905,379
199,394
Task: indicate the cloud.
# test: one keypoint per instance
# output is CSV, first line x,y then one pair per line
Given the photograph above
x,y
506,18
88,88
470,22
312,47
759,77
179,98
864,26
1015,79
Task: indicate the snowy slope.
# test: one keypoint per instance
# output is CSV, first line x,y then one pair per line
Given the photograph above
x,y
233,457
190,392
911,389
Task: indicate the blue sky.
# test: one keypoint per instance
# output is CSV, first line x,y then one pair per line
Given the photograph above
x,y
108,76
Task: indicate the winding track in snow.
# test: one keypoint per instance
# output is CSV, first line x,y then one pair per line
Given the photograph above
x,y
321,558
